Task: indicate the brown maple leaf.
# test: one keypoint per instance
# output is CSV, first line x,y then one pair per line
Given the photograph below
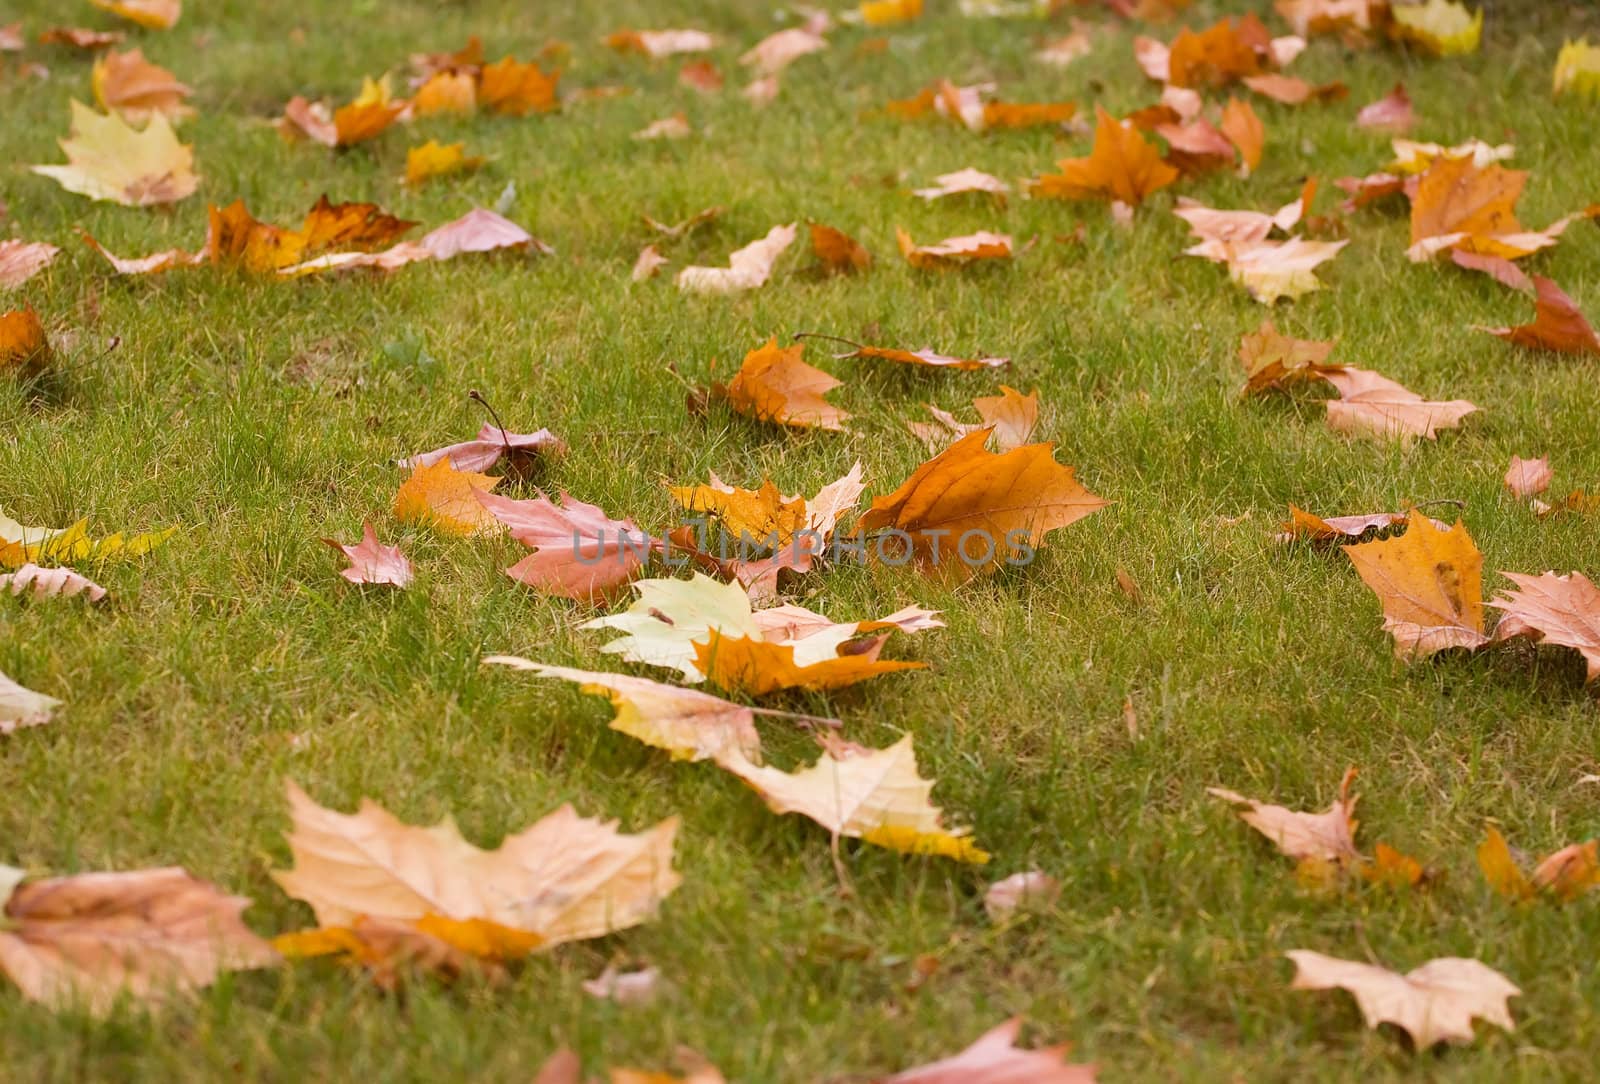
x,y
1558,324
775,385
1320,837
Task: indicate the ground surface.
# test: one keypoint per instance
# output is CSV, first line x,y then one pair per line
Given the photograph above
x,y
259,417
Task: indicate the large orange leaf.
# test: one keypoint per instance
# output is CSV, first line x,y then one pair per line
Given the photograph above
x,y
1272,359
1460,204
1558,324
775,385
1429,582
757,667
1123,166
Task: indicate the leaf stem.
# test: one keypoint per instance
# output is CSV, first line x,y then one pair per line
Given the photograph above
x,y
477,397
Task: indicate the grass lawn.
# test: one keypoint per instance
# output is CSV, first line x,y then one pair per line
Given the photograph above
x,y
260,416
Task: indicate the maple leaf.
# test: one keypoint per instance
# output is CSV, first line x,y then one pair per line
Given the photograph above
x,y
1558,324
924,357
753,515
1031,890
954,251
669,615
995,1058
1245,131
1272,360
578,551
1375,404
837,250
388,949
1433,1003
1564,876
128,84
108,160
688,724
91,939
21,260
748,267
1011,416
777,51
888,12
758,667
701,75
234,238
1017,115
674,127
150,14
516,89
1459,204
81,38
965,181
480,230
1327,837
874,795
21,544
1551,609
38,582
454,93
1577,68
1196,147
445,499
23,345
1065,50
1391,869
1528,477
1429,582
491,445
1411,157
774,385
21,707
432,159
1391,113
1009,502
371,562
564,878
1122,166
1304,526
1498,268
659,43
1440,27
1311,17
1290,90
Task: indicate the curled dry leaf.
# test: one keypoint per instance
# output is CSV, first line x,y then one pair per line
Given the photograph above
x,y
1327,837
837,250
1498,268
1391,113
1563,876
688,724
1020,892
1011,416
648,265
1434,1003
1429,582
1007,502
748,267
965,181
1558,325
371,562
954,251
91,939
684,228
997,1059
1551,609
1304,526
446,499
1123,166
38,582
150,14
1196,147
674,127
874,795
1272,360
128,84
1440,27
777,51
1528,477
109,160
924,357
579,552
774,385
564,878
491,445
21,707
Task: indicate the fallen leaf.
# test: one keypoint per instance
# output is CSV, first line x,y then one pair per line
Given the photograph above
x,y
20,707
1429,582
1272,360
128,84
1433,1003
1440,27
624,987
874,795
1371,403
997,1059
649,263
660,43
1011,416
686,227
837,250
373,563
1245,131
761,92
38,582
579,552
1122,166
480,230
108,160
21,260
433,159
701,75
1551,609
1062,51
1320,837
490,446
1558,325
748,267
954,251
1391,113
1577,68
150,14
1020,892
1196,147
564,878
1221,53
763,517
777,51
964,181
688,724
1498,268
82,38
775,385
1313,17
446,499
1290,90
924,357
1391,869
1008,502
446,93
673,127
21,544
1528,477
89,940
1304,526
1565,875
699,1070
516,89
889,12
1460,205
391,950
1411,157
758,667
24,348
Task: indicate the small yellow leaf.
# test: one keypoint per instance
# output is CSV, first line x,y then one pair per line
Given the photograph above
x,y
446,499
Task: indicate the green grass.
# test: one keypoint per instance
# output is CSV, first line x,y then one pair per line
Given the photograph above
x,y
259,416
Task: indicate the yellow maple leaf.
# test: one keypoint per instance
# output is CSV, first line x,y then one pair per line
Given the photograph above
x,y
109,160
1577,68
1441,27
446,499
434,159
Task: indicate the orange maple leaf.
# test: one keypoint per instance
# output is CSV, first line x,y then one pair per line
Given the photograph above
x,y
1123,166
